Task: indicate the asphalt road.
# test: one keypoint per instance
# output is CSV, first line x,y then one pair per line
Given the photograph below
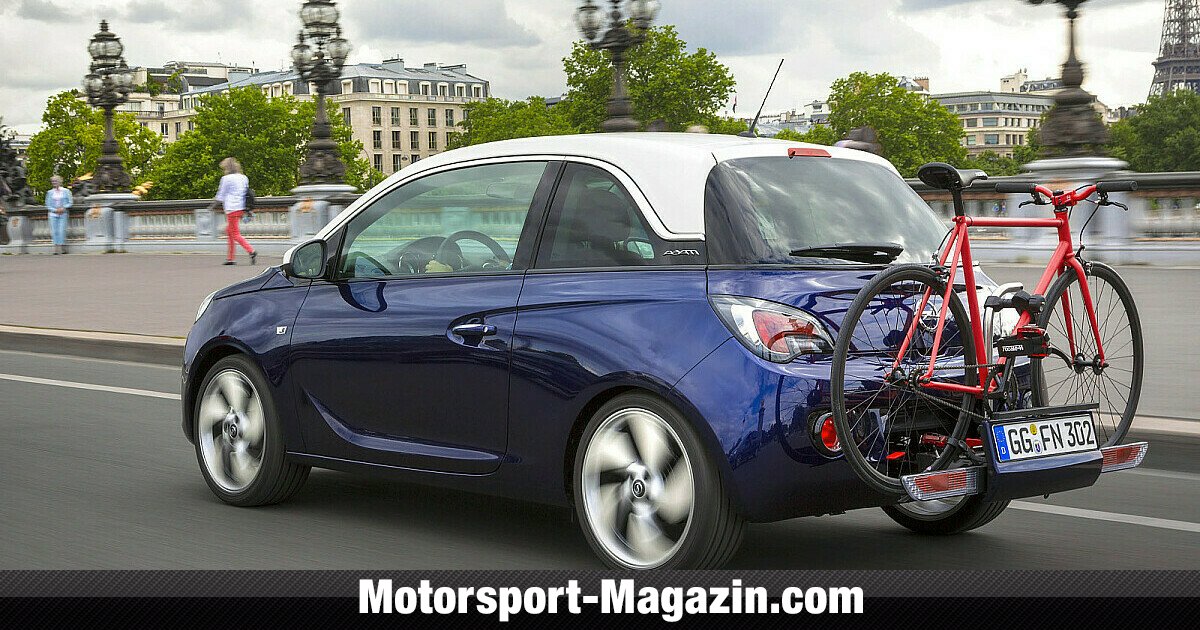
x,y
101,479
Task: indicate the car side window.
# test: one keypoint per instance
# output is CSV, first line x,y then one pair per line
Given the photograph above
x,y
594,223
467,220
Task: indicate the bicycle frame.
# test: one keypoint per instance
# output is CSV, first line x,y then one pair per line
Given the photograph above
x,y
958,251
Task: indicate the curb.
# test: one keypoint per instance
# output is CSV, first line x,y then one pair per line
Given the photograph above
x,y
94,345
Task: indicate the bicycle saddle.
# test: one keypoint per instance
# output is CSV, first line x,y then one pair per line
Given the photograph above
x,y
945,177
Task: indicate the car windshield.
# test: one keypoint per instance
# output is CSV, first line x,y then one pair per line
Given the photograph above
x,y
778,210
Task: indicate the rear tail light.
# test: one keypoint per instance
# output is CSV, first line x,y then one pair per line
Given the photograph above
x,y
775,332
944,484
1123,457
825,436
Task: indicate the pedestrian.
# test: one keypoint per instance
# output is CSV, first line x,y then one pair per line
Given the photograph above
x,y
231,194
58,201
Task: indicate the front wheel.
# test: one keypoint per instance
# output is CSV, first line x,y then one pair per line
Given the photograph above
x,y
1074,373
647,494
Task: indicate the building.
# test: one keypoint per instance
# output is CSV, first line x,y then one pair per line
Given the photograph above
x,y
996,121
1178,64
1019,83
400,114
20,144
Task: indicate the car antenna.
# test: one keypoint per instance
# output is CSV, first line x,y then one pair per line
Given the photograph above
x,y
751,133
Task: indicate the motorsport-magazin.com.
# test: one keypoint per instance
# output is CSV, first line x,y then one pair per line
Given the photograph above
x,y
616,596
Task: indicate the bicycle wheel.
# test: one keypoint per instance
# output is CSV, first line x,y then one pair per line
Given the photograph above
x,y
888,425
1076,376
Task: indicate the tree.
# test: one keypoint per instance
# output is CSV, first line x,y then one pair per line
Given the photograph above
x,y
994,164
268,136
1164,136
72,137
820,134
665,81
497,119
912,129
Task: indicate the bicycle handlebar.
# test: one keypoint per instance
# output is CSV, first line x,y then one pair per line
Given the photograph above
x,y
1016,188
1112,187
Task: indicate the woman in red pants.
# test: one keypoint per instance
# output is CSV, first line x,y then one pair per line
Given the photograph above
x,y
232,196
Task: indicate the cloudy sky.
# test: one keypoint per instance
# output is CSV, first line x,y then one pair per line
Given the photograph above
x,y
518,44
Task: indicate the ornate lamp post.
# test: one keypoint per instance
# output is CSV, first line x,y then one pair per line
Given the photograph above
x,y
319,57
107,85
1073,128
618,40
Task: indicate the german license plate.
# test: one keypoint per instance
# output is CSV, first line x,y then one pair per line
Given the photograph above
x,y
1040,437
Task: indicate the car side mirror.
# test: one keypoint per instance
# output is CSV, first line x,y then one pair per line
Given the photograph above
x,y
306,261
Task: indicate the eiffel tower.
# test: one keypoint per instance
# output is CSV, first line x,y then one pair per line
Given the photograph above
x,y
1178,65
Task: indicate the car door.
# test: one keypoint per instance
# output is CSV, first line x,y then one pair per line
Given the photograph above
x,y
402,356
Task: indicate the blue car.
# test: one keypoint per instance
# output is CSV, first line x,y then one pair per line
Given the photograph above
x,y
639,326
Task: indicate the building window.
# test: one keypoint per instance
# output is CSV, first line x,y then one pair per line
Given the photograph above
x,y
972,122
396,159
424,89
347,87
414,140
379,162
377,139
460,90
477,91
414,159
431,117
377,116
389,87
449,138
449,117
412,116
443,89
395,116
433,141
178,129
991,122
396,140
991,138
191,125
971,141
165,129
346,116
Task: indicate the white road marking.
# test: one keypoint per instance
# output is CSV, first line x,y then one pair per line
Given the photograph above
x,y
88,386
1165,474
1112,517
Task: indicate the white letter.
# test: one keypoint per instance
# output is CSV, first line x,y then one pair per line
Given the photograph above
x,y
372,596
842,599
614,600
510,602
573,592
790,605
815,600
672,604
425,591
486,596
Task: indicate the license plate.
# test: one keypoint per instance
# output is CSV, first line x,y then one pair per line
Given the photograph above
x,y
1040,437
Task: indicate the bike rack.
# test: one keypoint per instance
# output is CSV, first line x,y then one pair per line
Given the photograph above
x,y
989,315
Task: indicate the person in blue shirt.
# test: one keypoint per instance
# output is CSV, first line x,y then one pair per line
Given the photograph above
x,y
58,202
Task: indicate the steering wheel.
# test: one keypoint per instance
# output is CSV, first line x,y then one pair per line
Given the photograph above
x,y
479,237
352,262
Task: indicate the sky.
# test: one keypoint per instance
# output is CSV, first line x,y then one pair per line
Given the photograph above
x,y
518,45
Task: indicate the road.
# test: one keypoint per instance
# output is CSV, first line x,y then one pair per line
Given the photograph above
x,y
102,478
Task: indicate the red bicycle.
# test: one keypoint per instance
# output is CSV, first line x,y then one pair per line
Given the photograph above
x,y
922,382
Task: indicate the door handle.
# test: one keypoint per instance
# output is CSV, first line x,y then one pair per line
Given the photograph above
x,y
474,330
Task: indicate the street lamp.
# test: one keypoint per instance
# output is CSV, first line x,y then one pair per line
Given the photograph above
x,y
618,40
1073,128
319,56
107,85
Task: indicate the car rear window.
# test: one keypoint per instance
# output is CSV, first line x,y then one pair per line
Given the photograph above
x,y
758,210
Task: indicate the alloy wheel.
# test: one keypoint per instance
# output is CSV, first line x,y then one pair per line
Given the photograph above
x,y
231,430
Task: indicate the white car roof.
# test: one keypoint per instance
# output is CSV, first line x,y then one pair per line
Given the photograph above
x,y
669,170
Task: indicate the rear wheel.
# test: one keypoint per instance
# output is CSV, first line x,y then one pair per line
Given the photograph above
x,y
888,425
1074,374
944,517
646,492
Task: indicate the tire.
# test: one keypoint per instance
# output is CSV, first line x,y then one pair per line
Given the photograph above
x,y
638,458
876,357
1118,386
242,466
965,514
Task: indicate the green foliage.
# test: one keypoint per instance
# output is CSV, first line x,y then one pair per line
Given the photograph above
x,y
665,82
821,134
72,137
726,126
497,119
1032,148
268,136
1164,136
912,129
994,164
